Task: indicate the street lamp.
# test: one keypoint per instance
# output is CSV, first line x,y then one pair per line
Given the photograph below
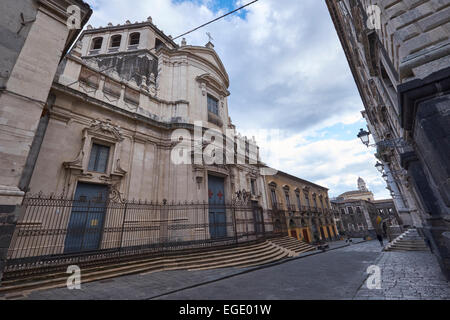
x,y
364,136
379,167
389,143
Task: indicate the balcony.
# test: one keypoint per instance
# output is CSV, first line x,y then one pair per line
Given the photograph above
x,y
277,206
305,209
291,207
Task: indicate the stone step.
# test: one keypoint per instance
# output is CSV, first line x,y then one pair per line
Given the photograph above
x,y
407,249
408,241
408,246
193,256
255,254
293,244
261,259
411,242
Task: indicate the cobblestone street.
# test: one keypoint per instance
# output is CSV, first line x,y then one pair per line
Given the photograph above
x,y
408,275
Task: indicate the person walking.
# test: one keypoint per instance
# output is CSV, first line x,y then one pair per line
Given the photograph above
x,y
379,230
380,238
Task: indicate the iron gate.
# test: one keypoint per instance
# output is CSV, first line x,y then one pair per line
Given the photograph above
x,y
125,230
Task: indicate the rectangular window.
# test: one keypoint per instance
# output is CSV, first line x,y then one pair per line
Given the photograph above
x,y
253,186
213,105
299,204
98,160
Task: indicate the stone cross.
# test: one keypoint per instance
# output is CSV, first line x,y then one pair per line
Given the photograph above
x,y
209,36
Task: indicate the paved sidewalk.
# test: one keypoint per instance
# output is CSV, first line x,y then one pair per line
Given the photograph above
x,y
408,275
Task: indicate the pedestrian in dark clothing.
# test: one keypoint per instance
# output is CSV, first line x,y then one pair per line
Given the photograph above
x,y
380,238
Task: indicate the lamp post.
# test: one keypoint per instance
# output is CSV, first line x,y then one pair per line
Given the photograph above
x,y
388,143
379,167
364,136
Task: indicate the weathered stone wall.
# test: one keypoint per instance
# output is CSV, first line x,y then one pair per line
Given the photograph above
x,y
12,40
412,28
31,69
432,137
8,218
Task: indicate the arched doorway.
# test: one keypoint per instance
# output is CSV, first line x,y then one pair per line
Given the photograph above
x,y
292,229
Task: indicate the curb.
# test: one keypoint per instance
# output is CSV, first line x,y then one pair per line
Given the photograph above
x,y
264,266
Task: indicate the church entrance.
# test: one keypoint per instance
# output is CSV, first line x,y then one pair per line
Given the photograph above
x,y
85,227
217,214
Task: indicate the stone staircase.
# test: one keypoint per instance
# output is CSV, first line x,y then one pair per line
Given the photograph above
x,y
242,256
293,246
407,241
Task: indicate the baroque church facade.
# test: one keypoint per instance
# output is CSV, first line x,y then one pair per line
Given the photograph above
x,y
123,99
126,147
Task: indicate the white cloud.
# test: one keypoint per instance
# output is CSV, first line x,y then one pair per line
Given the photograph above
x,y
287,71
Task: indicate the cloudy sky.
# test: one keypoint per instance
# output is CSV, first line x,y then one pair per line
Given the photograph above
x,y
288,75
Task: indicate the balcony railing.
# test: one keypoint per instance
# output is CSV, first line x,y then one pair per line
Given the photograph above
x,y
291,207
277,206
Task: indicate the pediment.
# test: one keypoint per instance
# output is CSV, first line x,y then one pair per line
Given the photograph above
x,y
210,56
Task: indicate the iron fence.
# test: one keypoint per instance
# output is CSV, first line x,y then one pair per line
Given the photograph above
x,y
55,232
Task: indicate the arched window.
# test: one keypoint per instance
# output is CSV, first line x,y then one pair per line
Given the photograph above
x,y
288,199
97,43
273,196
115,41
299,203
134,39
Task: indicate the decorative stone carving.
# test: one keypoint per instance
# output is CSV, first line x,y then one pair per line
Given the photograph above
x,y
106,126
114,194
76,163
203,87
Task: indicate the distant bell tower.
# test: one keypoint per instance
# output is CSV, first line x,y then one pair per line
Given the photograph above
x,y
362,185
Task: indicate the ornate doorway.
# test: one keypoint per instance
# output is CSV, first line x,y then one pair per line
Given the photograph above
x,y
216,201
84,231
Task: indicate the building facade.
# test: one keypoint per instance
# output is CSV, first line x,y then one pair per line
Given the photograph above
x,y
35,35
356,214
139,148
301,207
398,52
